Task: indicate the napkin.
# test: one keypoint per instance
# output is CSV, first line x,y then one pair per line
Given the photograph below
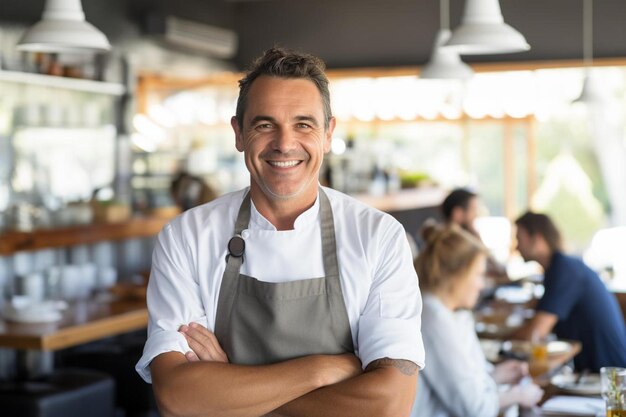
x,y
572,406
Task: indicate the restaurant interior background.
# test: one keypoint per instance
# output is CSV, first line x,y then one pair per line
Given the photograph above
x,y
117,127
90,143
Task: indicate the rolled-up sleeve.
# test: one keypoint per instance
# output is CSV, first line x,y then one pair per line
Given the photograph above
x,y
389,325
173,299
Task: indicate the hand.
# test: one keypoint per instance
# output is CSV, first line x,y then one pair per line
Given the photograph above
x,y
527,395
510,372
203,343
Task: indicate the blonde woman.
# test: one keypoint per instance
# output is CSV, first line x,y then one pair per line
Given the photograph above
x,y
457,380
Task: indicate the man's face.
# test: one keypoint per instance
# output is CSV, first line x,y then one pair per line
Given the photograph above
x,y
465,217
471,213
283,137
525,244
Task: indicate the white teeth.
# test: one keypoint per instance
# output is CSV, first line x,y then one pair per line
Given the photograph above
x,y
284,164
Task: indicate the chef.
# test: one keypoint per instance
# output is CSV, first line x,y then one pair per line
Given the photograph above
x,y
286,297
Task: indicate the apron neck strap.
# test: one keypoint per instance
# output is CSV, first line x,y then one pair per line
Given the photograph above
x,y
243,218
329,245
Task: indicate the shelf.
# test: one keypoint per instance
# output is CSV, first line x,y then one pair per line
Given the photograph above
x,y
405,199
76,84
13,241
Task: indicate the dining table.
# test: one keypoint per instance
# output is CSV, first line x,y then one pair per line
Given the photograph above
x,y
496,321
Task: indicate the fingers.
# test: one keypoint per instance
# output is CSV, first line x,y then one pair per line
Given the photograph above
x,y
191,356
205,349
203,343
523,368
531,395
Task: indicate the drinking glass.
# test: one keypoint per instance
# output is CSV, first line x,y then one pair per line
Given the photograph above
x,y
538,361
613,381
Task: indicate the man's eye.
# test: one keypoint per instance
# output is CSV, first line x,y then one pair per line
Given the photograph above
x,y
264,126
303,126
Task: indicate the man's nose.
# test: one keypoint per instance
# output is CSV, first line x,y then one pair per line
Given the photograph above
x,y
284,140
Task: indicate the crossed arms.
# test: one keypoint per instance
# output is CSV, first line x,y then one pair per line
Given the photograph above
x,y
203,383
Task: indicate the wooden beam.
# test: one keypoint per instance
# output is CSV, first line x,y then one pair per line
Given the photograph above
x,y
508,146
159,82
477,67
531,160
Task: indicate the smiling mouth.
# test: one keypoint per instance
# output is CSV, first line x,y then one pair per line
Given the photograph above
x,y
284,164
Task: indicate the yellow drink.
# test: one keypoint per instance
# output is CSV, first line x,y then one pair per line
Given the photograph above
x,y
538,363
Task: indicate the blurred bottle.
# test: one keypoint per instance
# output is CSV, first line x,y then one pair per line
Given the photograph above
x,y
378,186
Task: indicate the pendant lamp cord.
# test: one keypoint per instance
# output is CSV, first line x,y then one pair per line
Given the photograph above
x,y
444,14
588,33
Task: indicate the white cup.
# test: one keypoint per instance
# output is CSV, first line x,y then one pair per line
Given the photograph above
x,y
34,286
54,281
89,279
107,277
70,282
23,263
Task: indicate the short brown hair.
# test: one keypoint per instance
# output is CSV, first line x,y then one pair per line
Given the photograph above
x,y
284,63
459,197
449,251
541,224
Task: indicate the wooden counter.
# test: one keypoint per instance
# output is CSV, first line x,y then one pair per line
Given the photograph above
x,y
415,198
82,322
410,207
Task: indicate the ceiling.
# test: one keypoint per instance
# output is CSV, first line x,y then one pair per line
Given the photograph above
x,y
360,33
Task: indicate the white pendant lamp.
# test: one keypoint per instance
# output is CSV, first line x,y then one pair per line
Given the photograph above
x,y
592,91
63,28
445,63
483,31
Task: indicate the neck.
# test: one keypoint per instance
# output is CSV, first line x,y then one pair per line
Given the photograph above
x,y
544,259
446,299
282,213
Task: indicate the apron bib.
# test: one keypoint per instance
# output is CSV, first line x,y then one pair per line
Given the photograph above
x,y
259,323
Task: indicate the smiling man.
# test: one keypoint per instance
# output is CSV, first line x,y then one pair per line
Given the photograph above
x,y
285,298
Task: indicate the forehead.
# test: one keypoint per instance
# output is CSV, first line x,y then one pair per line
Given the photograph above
x,y
521,232
270,93
472,203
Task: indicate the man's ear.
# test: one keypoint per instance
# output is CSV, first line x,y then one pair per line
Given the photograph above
x,y
238,134
328,137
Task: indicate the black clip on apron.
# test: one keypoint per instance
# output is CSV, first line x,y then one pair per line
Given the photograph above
x,y
264,322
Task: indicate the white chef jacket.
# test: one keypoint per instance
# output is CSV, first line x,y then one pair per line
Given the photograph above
x,y
378,280
457,381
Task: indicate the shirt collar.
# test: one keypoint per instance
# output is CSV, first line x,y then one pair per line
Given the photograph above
x,y
306,218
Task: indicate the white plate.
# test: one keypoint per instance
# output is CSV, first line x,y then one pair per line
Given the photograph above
x,y
588,385
47,317
573,406
24,311
523,348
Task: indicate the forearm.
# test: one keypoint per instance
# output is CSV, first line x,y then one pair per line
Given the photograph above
x,y
215,389
380,392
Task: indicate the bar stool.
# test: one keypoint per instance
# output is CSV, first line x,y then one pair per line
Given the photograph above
x,y
64,393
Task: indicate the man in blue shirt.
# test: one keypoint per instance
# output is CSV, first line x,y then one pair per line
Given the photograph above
x,y
576,304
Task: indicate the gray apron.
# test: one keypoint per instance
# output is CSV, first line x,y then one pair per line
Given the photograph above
x,y
265,322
